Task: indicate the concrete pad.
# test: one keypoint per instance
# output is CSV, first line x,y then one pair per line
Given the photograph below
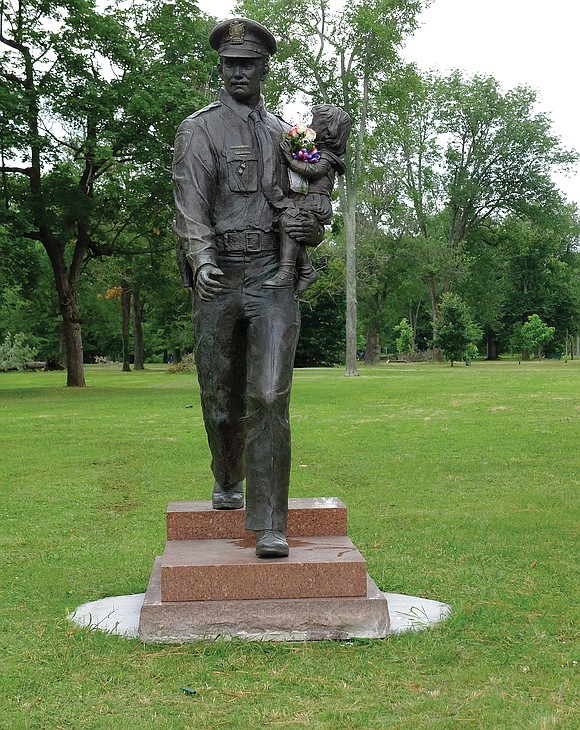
x,y
117,615
409,613
214,570
197,520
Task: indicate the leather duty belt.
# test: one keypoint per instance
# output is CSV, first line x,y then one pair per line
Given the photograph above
x,y
248,241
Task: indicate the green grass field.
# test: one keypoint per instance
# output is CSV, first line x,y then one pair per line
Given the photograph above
x,y
461,485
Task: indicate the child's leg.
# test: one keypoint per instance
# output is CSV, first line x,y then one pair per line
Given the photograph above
x,y
306,272
289,250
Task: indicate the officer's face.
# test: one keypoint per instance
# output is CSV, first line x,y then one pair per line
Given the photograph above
x,y
242,78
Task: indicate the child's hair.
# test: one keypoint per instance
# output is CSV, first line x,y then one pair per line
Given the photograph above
x,y
337,126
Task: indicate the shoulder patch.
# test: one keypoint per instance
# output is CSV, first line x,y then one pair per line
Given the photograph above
x,y
181,145
186,130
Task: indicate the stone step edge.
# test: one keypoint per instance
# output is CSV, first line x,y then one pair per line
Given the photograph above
x,y
198,570
307,517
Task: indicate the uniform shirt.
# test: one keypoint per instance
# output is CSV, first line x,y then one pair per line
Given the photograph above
x,y
227,175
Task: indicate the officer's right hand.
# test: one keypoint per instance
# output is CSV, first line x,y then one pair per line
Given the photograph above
x,y
208,282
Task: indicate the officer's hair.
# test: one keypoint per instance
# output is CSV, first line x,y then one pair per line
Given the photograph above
x,y
335,128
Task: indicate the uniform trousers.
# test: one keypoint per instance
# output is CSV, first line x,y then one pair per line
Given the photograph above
x,y
245,342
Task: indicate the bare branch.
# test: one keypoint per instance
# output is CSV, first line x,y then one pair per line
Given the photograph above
x,y
60,142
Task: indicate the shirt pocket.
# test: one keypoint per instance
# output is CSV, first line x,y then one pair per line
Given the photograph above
x,y
242,171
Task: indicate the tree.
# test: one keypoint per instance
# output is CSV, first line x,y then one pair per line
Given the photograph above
x,y
87,91
456,333
472,154
322,341
406,340
344,58
535,334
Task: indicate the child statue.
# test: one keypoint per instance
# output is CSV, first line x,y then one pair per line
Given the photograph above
x,y
319,169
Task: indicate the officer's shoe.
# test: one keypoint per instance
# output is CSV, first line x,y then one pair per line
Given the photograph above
x,y
227,497
271,544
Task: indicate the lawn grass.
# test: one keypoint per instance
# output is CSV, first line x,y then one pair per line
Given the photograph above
x,y
461,484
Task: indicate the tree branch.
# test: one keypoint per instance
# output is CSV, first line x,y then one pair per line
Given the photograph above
x,y
20,170
59,141
14,78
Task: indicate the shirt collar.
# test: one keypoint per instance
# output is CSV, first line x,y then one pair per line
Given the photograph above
x,y
241,110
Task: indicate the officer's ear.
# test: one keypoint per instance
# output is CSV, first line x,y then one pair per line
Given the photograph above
x,y
265,69
220,69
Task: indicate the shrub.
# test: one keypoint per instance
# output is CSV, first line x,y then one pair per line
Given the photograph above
x,y
186,365
15,353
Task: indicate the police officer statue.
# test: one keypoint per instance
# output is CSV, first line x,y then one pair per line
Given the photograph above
x,y
230,187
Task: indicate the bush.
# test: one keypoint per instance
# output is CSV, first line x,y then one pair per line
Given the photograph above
x,y
15,353
185,365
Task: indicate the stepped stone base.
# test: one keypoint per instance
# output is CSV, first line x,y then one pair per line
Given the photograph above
x,y
292,619
210,583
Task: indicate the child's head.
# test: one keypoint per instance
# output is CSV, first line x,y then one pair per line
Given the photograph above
x,y
332,126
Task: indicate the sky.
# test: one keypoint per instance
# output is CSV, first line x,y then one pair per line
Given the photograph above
x,y
517,41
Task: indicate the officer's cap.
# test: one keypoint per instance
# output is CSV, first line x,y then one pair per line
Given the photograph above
x,y
242,38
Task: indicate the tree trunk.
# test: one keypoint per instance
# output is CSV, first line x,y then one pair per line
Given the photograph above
x,y
62,345
126,317
348,200
437,354
351,303
492,346
137,329
75,375
373,347
70,331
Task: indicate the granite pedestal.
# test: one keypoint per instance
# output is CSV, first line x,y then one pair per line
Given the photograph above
x,y
209,583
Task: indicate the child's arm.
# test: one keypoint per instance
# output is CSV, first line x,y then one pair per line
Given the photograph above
x,y
311,170
308,170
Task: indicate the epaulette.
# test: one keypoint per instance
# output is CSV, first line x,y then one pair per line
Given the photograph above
x,y
207,108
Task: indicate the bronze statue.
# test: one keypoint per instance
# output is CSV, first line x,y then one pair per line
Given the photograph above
x,y
231,189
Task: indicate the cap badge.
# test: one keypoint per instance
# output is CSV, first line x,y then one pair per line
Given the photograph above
x,y
237,32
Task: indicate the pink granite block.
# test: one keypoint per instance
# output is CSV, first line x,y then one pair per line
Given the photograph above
x,y
214,570
197,520
294,619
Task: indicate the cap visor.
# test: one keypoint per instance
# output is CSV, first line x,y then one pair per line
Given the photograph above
x,y
241,53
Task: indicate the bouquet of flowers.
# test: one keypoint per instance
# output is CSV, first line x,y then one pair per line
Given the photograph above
x,y
302,145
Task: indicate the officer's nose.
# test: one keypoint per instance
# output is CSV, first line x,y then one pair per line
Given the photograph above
x,y
238,71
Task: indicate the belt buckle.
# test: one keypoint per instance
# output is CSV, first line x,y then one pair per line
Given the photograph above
x,y
253,242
